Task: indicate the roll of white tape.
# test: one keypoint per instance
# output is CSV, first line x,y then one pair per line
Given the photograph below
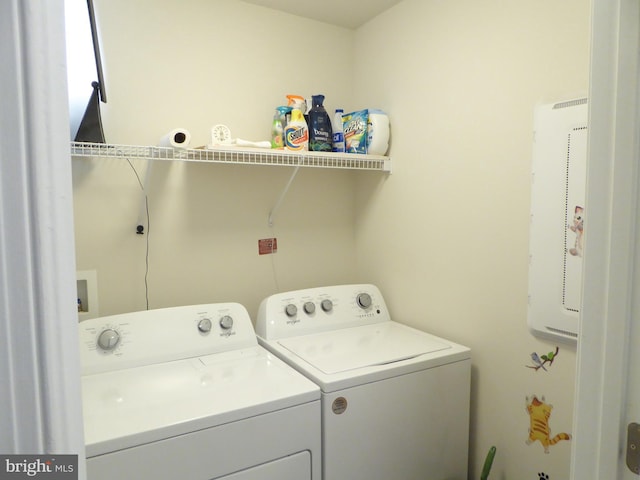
x,y
176,138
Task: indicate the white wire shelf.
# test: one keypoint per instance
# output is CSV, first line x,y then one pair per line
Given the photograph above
x,y
236,155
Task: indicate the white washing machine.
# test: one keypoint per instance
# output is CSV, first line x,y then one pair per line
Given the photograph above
x,y
395,400
187,393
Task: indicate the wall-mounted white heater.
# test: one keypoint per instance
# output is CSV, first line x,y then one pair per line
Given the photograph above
x,y
557,216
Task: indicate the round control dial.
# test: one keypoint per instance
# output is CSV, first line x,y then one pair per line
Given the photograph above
x,y
108,339
291,310
205,325
226,322
364,300
327,305
309,307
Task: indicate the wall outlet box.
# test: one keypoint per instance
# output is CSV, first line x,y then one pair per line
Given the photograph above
x,y
267,245
87,290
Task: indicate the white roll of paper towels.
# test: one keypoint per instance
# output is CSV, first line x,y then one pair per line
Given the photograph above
x,y
176,138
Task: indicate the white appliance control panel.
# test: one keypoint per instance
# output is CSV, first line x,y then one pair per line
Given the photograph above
x,y
320,309
142,338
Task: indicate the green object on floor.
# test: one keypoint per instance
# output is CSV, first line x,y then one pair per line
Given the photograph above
x,y
487,463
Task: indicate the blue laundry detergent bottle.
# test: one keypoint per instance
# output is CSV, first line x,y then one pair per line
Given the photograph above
x,y
320,136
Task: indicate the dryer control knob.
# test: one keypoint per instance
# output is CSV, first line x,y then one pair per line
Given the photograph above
x,y
226,322
327,305
205,325
108,339
309,307
364,300
291,310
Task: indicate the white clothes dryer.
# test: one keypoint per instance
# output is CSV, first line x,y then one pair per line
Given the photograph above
x,y
395,400
187,393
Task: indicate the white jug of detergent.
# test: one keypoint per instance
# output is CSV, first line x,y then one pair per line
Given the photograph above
x,y
377,132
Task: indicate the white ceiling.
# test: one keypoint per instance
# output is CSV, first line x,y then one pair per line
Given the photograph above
x,y
344,13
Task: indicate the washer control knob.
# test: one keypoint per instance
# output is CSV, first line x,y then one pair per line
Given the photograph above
x,y
309,307
364,300
291,310
226,322
108,339
204,325
327,305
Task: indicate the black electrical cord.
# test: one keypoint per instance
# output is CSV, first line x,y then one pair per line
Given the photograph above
x,y
140,230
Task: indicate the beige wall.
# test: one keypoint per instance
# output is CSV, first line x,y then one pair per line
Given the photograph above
x,y
194,64
445,236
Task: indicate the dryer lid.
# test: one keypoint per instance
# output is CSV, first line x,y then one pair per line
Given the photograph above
x,y
133,406
359,347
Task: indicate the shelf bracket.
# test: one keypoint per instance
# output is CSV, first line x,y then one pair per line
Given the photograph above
x,y
276,207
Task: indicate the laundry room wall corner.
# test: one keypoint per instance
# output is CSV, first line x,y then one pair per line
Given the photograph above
x,y
448,231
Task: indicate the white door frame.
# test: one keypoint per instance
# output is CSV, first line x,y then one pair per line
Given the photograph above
x,y
39,360
610,238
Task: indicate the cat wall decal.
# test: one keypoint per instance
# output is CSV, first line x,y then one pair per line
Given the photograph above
x,y
578,228
539,413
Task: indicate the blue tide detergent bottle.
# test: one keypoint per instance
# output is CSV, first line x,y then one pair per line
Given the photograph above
x,y
320,135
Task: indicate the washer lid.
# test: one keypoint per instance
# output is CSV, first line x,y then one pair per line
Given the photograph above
x,y
359,347
133,406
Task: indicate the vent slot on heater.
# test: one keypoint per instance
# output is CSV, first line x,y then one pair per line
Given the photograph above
x,y
557,219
